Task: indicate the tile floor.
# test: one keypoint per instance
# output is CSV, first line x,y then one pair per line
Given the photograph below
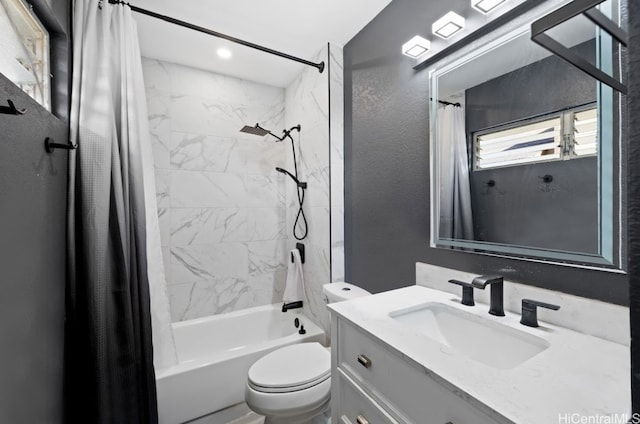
x,y
250,418
237,414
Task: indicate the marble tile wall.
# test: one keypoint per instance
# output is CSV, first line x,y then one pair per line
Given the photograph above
x,y
221,204
307,104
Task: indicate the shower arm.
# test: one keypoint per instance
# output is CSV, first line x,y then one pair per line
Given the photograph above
x,y
285,133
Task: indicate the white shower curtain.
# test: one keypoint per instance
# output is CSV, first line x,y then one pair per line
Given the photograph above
x,y
456,220
109,104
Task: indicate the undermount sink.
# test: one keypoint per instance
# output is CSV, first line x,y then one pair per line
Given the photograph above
x,y
475,337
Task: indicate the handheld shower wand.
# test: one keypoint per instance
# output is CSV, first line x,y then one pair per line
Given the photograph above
x,y
298,183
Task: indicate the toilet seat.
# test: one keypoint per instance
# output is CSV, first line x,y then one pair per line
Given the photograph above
x,y
291,368
302,403
293,381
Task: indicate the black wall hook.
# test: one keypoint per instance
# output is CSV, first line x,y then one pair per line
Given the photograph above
x,y
50,145
547,178
12,109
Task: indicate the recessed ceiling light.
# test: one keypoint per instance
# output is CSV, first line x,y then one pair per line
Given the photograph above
x,y
486,6
448,25
224,53
416,47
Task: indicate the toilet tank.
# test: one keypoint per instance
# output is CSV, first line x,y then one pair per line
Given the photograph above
x,y
339,291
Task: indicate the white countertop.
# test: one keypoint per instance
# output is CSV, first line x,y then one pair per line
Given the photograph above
x,y
577,374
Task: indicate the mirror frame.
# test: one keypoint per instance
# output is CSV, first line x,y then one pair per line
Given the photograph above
x,y
494,39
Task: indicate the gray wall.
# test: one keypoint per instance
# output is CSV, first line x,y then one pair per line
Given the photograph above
x,y
560,214
633,191
33,188
387,168
563,211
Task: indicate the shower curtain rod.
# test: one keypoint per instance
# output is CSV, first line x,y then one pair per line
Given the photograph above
x,y
319,66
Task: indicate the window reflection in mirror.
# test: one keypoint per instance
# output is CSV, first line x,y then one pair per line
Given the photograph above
x,y
24,50
525,149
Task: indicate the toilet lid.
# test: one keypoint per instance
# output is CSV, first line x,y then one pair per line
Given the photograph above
x,y
290,367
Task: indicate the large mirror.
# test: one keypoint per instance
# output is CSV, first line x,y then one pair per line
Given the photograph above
x,y
525,147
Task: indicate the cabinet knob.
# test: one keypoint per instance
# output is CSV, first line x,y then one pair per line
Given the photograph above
x,y
364,361
360,419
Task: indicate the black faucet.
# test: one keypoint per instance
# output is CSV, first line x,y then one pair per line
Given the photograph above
x,y
291,305
467,292
497,293
530,311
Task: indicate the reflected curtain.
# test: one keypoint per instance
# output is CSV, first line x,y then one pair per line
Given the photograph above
x,y
456,219
115,268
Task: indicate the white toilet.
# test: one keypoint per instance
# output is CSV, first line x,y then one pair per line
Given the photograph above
x,y
292,385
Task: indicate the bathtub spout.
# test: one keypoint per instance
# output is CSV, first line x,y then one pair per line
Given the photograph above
x,y
291,305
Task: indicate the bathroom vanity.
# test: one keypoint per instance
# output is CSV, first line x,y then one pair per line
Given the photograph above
x,y
416,355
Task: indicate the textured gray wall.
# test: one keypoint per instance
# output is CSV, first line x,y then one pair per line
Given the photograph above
x,y
633,192
33,188
387,169
561,214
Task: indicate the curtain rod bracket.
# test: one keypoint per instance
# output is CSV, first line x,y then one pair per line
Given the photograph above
x,y
50,145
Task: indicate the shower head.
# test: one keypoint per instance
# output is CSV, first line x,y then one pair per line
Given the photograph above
x,y
257,130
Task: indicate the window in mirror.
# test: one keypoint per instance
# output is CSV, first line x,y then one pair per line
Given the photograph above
x,y
585,133
24,50
559,136
525,143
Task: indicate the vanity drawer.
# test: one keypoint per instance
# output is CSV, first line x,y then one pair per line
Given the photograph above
x,y
405,390
356,407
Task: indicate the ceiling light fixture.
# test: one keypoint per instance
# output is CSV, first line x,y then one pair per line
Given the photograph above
x,y
486,6
224,53
416,47
447,26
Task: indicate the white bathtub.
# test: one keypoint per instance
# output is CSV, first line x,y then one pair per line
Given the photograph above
x,y
215,353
